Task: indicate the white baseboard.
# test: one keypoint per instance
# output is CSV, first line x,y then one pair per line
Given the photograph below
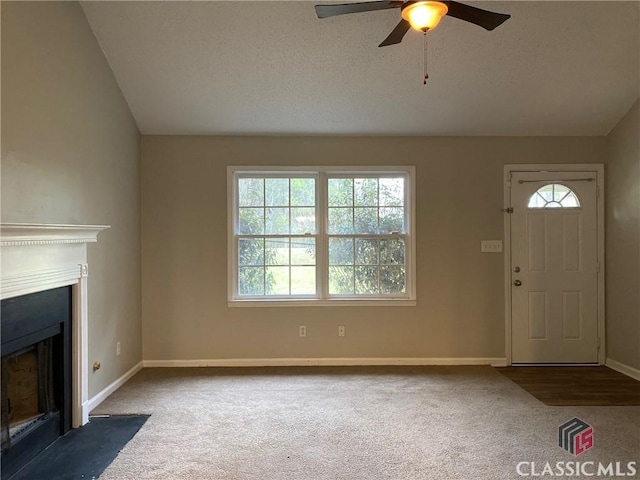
x,y
102,396
498,362
298,362
622,368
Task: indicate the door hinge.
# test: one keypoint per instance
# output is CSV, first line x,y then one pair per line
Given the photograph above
x,y
598,267
507,210
598,343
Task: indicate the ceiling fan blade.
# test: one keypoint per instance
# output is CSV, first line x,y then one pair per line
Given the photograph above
x,y
397,34
324,11
484,18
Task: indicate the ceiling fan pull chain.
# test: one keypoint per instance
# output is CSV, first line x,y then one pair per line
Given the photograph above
x,y
426,75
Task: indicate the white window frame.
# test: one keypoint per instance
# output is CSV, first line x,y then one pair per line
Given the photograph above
x,y
322,297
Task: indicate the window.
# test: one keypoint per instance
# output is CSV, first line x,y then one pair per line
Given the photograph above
x,y
366,227
276,235
554,195
321,235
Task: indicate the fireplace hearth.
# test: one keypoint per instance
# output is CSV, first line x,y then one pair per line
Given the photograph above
x,y
36,374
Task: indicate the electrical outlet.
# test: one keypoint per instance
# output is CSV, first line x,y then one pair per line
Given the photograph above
x,y
341,331
118,349
303,331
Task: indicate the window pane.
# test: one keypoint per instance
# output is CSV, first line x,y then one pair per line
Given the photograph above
x,y
340,251
251,221
546,192
278,280
303,251
365,220
366,280
392,279
341,192
277,221
392,252
341,280
303,220
303,280
366,251
365,192
537,201
303,192
251,281
559,191
391,219
392,192
277,251
276,192
570,201
251,192
251,251
340,220
554,195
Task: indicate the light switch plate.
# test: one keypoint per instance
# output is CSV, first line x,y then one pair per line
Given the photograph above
x,y
491,246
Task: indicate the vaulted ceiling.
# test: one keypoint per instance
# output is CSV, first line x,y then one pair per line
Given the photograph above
x,y
269,67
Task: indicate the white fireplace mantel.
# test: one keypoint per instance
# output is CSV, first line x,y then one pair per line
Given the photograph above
x,y
16,234
37,257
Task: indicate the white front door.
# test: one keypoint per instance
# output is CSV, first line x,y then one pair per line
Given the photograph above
x,y
554,267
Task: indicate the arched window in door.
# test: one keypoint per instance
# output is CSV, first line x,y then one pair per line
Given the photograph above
x,y
554,195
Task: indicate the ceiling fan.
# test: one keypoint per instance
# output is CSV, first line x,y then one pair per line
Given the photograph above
x,y
422,15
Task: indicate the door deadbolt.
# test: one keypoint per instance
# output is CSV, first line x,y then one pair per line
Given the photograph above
x,y
516,269
517,283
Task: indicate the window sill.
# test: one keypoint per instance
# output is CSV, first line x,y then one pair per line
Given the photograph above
x,y
323,303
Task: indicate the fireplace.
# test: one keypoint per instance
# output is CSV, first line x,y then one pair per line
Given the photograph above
x,y
36,374
45,364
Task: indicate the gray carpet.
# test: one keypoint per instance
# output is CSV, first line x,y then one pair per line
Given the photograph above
x,y
350,423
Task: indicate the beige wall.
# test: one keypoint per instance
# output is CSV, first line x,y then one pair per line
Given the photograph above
x,y
623,240
70,155
460,311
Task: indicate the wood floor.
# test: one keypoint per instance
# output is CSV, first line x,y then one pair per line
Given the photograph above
x,y
576,386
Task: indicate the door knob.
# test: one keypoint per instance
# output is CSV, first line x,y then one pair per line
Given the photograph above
x,y
517,283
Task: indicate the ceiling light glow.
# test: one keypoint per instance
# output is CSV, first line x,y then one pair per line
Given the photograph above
x,y
424,15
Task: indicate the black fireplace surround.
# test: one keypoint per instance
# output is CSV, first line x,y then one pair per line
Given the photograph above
x,y
36,327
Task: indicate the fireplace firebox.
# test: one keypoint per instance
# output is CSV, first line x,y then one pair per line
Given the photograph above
x,y
36,374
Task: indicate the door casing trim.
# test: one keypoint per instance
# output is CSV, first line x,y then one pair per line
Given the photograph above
x,y
598,170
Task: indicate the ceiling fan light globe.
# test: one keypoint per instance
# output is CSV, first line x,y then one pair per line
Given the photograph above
x,y
424,15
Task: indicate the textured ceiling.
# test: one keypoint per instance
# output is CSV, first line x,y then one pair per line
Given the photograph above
x,y
554,68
